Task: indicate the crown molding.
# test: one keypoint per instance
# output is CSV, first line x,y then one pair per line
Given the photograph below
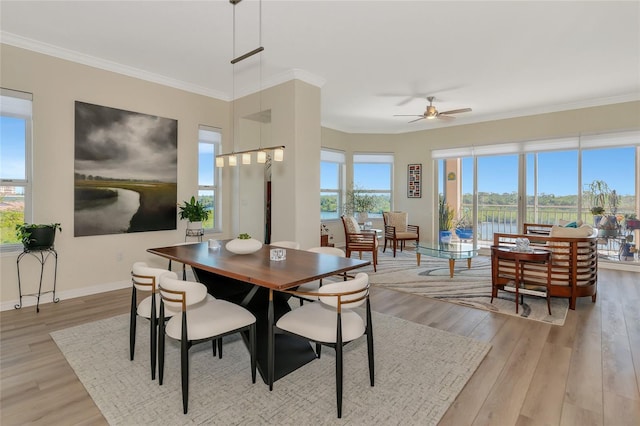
x,y
283,77
92,61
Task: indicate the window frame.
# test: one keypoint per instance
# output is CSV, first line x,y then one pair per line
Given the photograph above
x,y
216,188
375,158
332,156
19,109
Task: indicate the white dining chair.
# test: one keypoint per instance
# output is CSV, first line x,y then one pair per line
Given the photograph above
x,y
330,322
199,322
315,285
146,279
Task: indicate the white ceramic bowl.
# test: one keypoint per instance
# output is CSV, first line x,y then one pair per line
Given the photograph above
x,y
239,246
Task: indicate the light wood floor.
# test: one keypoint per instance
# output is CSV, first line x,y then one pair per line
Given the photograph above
x,y
584,373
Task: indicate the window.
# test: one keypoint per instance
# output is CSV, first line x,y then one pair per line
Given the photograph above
x,y
209,140
332,164
547,181
373,174
15,170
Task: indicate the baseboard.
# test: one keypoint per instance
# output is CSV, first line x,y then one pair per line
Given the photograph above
x,y
68,294
627,266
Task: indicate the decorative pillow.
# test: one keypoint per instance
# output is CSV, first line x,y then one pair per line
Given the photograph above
x,y
352,225
569,223
398,219
562,232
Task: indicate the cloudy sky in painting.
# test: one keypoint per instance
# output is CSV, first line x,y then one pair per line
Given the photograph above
x,y
119,144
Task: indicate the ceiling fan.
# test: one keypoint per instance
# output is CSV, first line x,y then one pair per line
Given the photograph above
x,y
431,112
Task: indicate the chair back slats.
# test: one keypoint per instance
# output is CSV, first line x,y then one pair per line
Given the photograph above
x,y
144,282
346,294
343,294
189,293
145,278
174,298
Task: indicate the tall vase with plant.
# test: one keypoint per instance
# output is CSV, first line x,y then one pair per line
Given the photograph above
x,y
464,225
598,196
195,212
445,220
359,203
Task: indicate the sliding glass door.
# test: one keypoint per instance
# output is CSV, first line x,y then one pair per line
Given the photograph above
x,y
548,181
497,188
552,187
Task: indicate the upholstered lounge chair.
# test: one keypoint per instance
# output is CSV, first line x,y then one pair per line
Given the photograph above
x,y
359,241
397,230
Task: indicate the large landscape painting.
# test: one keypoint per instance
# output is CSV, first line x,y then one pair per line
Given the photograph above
x,y
125,171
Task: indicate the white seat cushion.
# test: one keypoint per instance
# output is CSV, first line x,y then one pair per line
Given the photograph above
x,y
318,322
406,235
144,308
195,292
212,318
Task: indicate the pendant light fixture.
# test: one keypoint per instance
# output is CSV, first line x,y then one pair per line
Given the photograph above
x,y
262,154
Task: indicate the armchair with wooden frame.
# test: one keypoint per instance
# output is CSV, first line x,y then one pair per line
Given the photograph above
x,y
397,229
357,240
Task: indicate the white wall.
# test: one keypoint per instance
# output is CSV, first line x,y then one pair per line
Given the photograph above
x,y
56,84
416,147
87,263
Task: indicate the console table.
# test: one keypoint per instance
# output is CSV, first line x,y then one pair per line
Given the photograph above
x,y
520,260
42,256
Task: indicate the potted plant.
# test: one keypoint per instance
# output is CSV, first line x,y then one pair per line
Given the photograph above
x,y
37,236
445,220
195,212
464,227
359,204
599,194
325,235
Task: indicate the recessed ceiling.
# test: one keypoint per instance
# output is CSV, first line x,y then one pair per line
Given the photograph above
x,y
372,59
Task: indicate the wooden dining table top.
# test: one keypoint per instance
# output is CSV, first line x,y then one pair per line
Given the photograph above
x,y
300,266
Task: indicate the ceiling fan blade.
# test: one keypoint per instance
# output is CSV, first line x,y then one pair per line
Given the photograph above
x,y
408,115
417,119
456,111
445,117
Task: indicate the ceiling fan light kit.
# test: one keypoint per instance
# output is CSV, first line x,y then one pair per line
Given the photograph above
x,y
431,112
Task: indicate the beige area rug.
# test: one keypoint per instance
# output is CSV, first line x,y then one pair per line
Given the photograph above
x,y
468,287
419,371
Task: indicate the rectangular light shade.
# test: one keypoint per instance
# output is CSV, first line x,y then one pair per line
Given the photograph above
x,y
219,161
233,160
246,158
262,157
278,154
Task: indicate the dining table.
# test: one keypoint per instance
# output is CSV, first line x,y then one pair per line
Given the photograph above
x,y
248,280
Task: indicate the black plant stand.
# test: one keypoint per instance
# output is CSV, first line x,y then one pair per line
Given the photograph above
x,y
42,256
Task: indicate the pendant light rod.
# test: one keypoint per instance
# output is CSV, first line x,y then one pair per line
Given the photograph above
x,y
251,150
247,55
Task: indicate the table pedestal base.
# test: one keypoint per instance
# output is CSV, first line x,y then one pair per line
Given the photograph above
x,y
291,352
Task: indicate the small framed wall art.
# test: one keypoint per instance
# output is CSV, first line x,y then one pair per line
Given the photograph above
x,y
414,181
